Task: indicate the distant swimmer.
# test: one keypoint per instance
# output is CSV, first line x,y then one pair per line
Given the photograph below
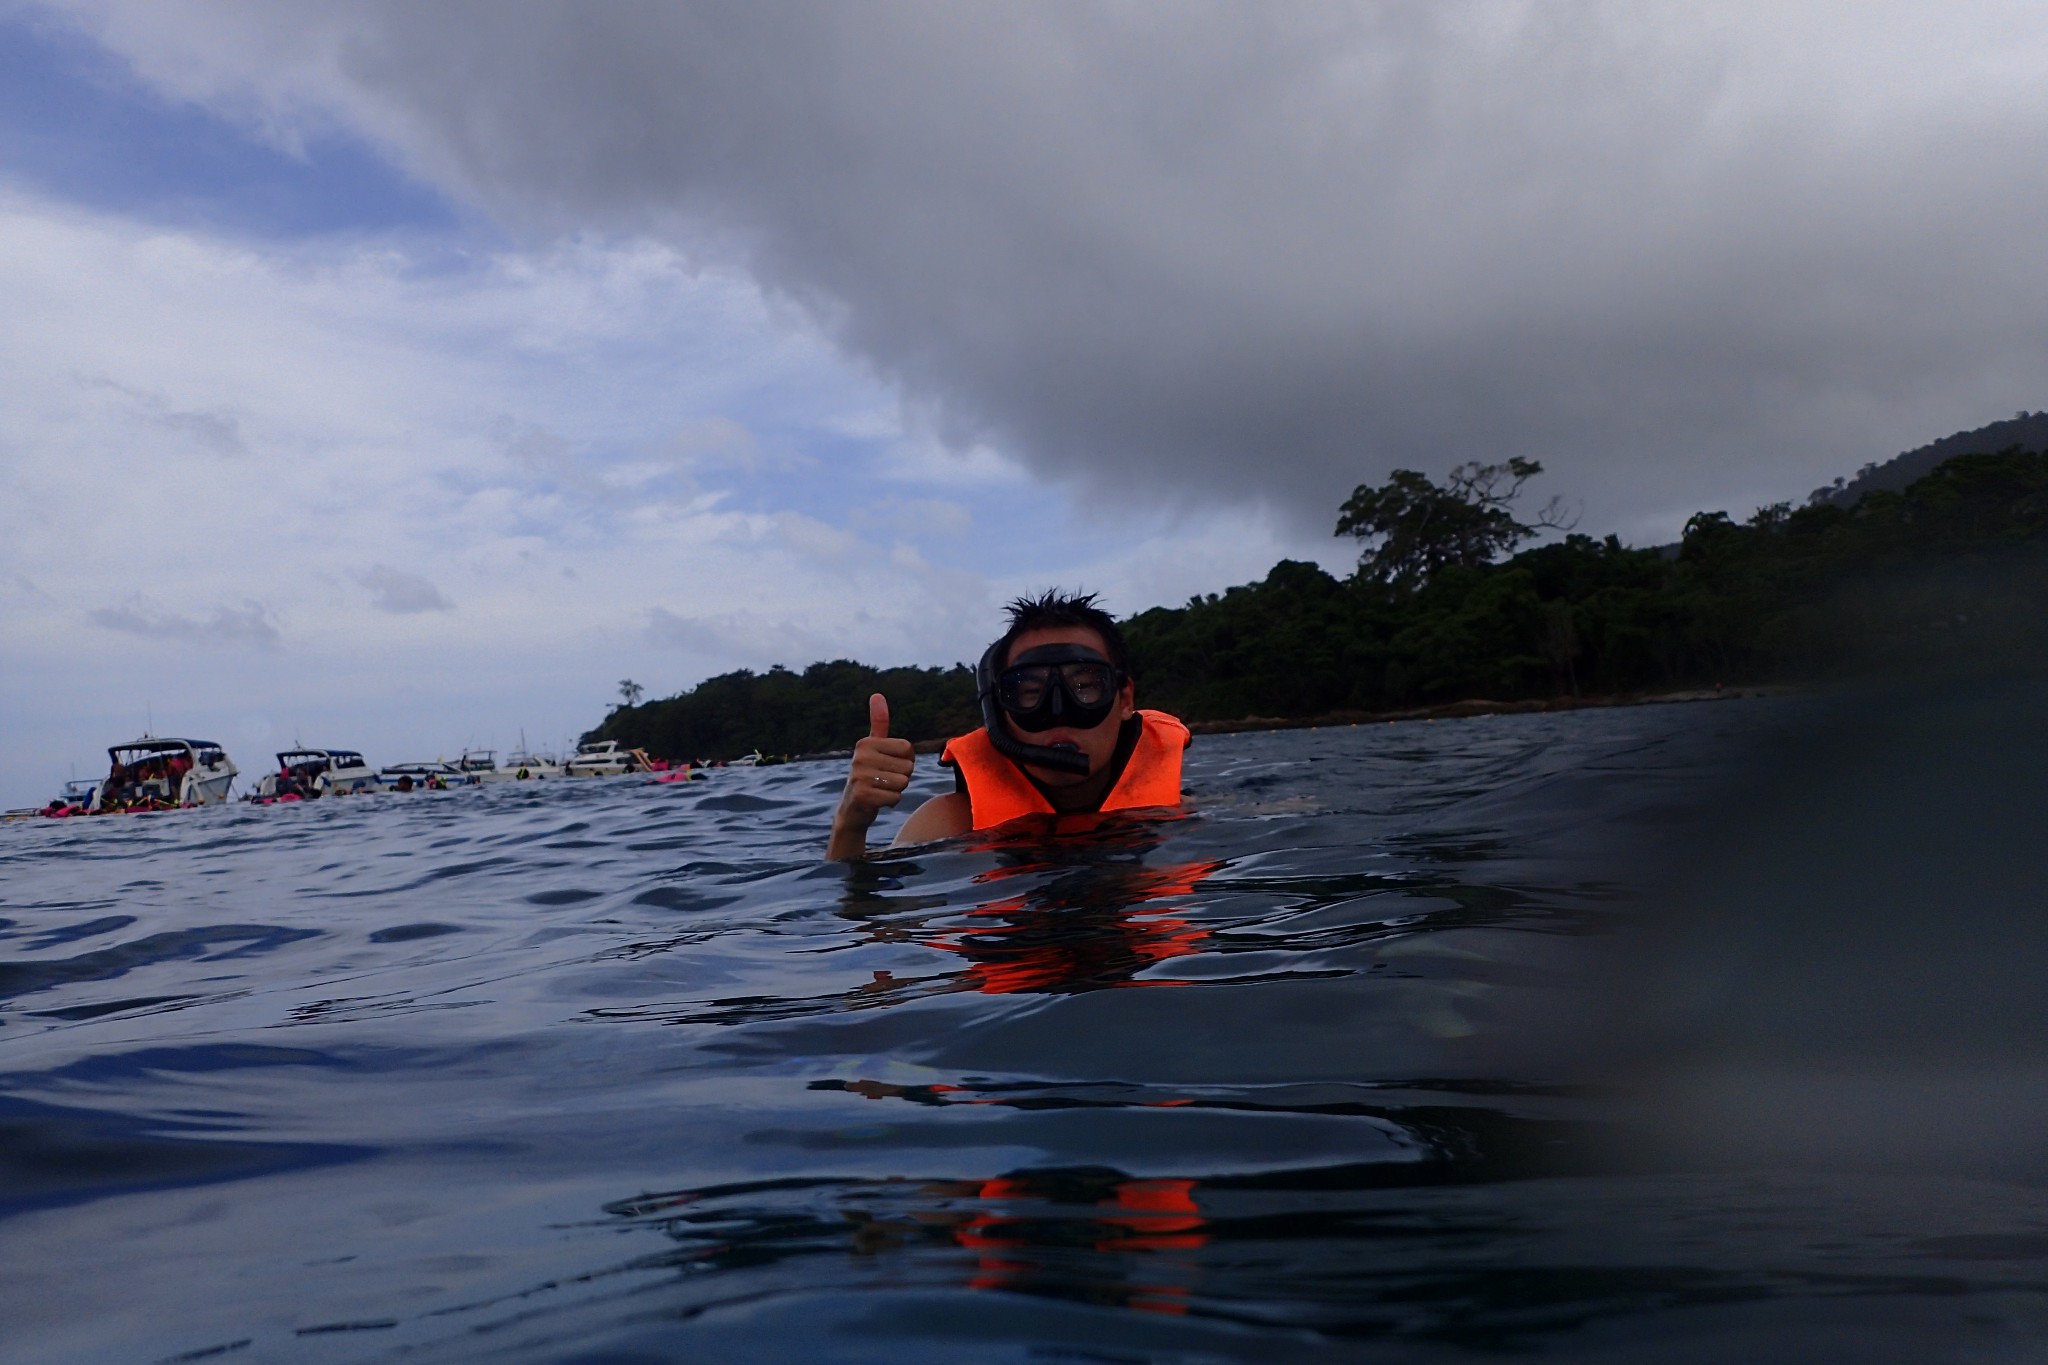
x,y
1061,735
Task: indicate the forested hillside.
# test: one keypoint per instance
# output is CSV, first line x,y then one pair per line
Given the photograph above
x,y
786,712
2026,430
1436,613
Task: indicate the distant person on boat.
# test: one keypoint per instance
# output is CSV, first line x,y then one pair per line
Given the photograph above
x,y
1061,735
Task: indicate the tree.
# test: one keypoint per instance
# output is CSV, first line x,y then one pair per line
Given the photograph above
x,y
1418,528
631,691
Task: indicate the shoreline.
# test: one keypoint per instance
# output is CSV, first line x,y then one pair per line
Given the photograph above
x,y
1480,706
1450,710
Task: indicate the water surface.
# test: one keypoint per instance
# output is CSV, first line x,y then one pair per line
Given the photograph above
x,y
611,1071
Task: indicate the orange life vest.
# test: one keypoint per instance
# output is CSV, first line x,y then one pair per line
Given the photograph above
x,y
998,791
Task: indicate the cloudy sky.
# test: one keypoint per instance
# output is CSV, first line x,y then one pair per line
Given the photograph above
x,y
402,376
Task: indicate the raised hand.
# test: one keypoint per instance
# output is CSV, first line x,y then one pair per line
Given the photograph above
x,y
880,771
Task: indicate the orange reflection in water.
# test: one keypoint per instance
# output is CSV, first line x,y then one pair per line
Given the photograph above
x,y
1014,1247
1091,913
1079,934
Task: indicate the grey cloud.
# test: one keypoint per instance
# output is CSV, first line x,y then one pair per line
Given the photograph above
x,y
218,432
914,518
214,430
1218,252
401,593
751,640
593,490
718,442
665,627
549,455
248,623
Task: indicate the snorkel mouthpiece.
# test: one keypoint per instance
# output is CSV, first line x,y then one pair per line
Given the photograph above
x,y
1059,759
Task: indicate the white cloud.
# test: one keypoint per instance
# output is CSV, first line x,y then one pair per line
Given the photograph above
x,y
924,459
498,433
418,438
722,443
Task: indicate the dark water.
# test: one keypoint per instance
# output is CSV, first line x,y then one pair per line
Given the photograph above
x,y
1336,1066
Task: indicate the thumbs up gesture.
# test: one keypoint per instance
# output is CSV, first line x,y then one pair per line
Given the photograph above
x,y
881,770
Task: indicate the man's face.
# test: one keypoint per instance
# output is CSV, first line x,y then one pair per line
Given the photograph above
x,y
1099,741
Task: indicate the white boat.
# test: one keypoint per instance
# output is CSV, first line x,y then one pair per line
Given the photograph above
x,y
318,772
429,776
75,799
604,758
482,764
524,766
153,774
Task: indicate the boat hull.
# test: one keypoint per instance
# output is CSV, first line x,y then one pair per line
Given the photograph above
x,y
207,786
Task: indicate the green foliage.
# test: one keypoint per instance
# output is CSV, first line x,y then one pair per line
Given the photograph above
x,y
1959,557
1418,529
1283,647
783,712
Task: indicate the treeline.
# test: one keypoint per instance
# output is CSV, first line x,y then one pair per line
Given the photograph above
x,y
786,712
1788,594
1957,560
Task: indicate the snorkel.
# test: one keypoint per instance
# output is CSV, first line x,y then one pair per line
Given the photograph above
x,y
986,676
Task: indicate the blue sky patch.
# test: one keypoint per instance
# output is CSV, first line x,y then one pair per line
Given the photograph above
x,y
75,124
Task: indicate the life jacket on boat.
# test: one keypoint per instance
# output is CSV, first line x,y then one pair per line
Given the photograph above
x,y
998,791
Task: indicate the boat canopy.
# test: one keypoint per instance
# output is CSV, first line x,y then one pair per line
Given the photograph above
x,y
204,751
339,758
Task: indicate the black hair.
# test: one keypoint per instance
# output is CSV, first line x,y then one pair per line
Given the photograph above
x,y
1053,609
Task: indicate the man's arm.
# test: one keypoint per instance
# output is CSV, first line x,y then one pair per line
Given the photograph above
x,y
880,771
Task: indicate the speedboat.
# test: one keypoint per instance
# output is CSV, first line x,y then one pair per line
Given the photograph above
x,y
427,776
75,799
158,774
482,764
522,766
318,772
604,758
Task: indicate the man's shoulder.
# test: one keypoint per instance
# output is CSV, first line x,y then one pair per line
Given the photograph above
x,y
942,817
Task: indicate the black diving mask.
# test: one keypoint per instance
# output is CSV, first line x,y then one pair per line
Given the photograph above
x,y
1054,685
1042,689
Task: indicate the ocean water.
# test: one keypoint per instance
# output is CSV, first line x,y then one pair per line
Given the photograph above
x,y
1382,1050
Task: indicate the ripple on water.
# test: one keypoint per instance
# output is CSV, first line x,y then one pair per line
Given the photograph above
x,y
613,1070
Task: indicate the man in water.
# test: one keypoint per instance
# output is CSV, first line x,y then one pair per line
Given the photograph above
x,y
1061,735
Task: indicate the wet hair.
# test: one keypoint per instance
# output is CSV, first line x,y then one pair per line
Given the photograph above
x,y
1052,610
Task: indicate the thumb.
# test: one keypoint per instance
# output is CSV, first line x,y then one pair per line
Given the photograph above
x,y
878,716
